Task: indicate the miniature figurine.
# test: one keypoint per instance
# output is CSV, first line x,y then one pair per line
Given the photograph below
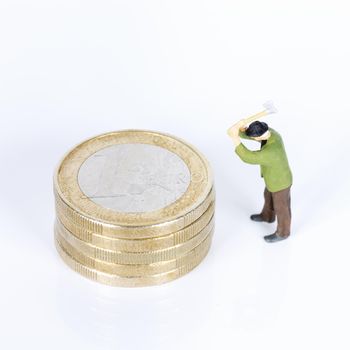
x,y
274,166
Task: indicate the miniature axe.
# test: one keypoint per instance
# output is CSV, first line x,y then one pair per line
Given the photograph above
x,y
269,109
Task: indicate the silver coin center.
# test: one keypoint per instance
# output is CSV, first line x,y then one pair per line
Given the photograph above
x,y
134,177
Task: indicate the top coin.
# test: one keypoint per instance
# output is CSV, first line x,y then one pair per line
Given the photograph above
x,y
133,178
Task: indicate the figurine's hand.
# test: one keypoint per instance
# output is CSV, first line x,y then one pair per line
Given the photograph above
x,y
241,125
236,128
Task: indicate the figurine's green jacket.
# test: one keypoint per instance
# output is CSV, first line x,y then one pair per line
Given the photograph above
x,y
272,159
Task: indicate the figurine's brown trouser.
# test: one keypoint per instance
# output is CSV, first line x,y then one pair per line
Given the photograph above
x,y
278,204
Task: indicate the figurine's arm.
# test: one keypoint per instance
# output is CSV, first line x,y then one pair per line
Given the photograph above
x,y
252,157
239,128
235,131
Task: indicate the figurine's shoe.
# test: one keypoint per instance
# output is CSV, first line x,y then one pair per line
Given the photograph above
x,y
260,218
274,238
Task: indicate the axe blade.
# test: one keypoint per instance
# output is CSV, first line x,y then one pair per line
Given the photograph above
x,y
270,107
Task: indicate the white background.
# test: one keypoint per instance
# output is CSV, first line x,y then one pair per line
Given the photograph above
x,y
72,69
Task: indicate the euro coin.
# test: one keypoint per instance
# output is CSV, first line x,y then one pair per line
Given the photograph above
x,y
133,184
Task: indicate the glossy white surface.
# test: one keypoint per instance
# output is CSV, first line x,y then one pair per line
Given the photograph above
x,y
73,69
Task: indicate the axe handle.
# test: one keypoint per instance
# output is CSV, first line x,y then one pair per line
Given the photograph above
x,y
251,119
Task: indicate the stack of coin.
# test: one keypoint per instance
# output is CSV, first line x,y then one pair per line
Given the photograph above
x,y
134,208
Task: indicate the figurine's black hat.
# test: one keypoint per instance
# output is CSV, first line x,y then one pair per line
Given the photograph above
x,y
257,129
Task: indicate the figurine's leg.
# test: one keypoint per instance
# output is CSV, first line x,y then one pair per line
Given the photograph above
x,y
281,201
268,212
289,205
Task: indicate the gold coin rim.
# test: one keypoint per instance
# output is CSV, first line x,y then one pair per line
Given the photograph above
x,y
68,190
137,270
139,258
118,281
134,232
138,245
